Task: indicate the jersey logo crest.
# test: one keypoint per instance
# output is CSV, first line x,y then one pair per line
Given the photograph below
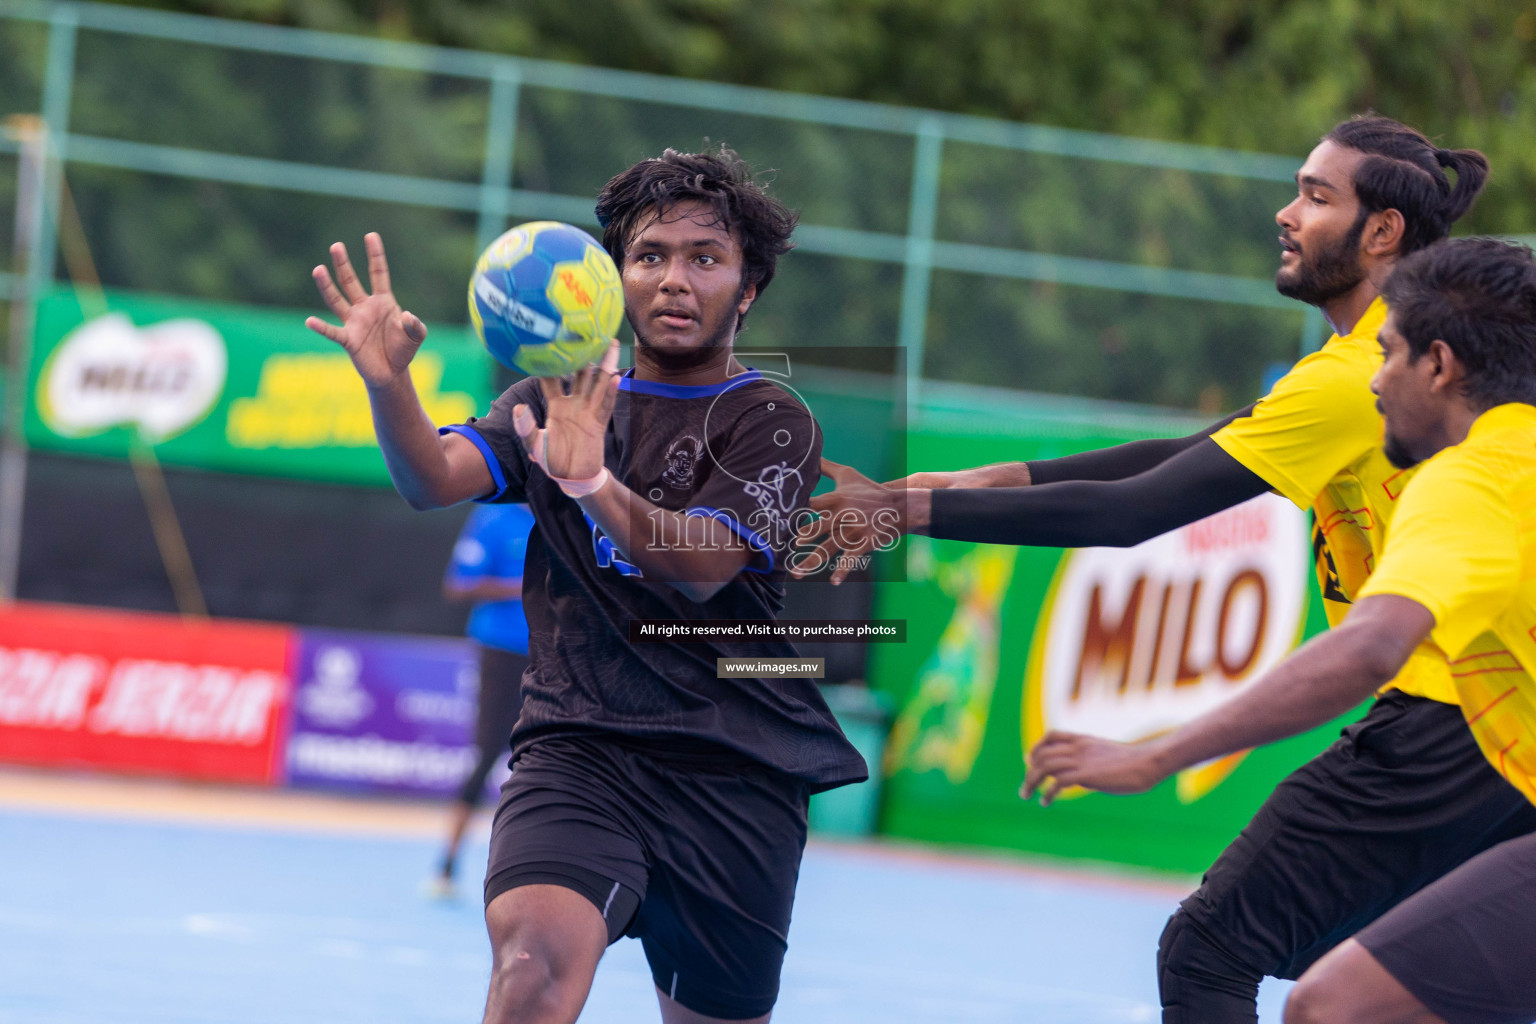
x,y
682,458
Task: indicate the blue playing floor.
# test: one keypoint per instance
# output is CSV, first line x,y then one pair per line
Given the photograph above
x,y
105,920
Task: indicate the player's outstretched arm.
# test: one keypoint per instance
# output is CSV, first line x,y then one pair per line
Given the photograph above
x,y
1324,679
1199,481
381,338
861,515
1116,463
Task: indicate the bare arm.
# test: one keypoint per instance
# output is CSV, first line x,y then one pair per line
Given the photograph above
x,y
429,471
1325,678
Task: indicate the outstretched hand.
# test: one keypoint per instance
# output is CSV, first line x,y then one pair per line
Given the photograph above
x,y
1064,759
856,517
381,338
570,444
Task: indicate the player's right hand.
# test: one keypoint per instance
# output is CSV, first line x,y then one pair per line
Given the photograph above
x,y
1065,759
381,338
571,442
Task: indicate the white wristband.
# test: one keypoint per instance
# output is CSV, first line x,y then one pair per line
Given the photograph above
x,y
582,488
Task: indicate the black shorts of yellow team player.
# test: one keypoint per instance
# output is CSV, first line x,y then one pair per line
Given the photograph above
x,y
696,854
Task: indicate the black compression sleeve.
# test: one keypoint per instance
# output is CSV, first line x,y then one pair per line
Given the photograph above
x,y
1191,485
1123,460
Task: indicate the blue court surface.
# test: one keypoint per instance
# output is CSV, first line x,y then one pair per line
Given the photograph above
x,y
107,919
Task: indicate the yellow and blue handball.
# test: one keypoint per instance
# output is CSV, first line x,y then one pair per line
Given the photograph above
x,y
545,298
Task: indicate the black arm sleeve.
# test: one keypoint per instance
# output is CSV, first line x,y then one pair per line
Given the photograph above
x,y
1123,460
1191,485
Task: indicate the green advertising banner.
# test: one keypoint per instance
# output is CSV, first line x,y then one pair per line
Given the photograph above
x,y
233,388
1006,643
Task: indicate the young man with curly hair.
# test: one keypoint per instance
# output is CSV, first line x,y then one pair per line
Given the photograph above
x,y
648,797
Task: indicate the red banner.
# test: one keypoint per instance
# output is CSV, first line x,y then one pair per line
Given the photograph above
x,y
156,693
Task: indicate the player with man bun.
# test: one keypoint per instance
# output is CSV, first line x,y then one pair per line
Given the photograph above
x,y
1457,387
1404,796
648,797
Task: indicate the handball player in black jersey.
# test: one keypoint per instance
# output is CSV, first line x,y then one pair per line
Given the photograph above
x,y
648,797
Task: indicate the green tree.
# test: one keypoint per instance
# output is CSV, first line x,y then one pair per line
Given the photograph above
x,y
1262,75
1265,75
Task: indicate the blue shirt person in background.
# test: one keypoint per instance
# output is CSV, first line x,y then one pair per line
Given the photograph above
x,y
487,568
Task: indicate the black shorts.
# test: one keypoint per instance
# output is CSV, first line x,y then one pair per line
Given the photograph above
x,y
1463,946
1403,797
709,847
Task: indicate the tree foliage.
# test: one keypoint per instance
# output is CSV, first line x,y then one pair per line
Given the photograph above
x,y
1262,75
1265,75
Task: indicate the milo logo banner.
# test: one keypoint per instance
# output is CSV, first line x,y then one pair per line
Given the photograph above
x,y
234,388
1135,642
108,373
1005,644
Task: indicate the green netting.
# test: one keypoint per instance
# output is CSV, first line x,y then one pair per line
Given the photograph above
x,y
171,93
217,160
826,301
839,177
23,55
179,236
1100,343
7,208
1110,211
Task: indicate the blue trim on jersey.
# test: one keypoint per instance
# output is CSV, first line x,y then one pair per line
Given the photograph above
x,y
755,539
651,387
491,461
607,554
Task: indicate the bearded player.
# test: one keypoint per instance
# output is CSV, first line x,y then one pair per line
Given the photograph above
x,y
1404,796
647,797
1457,387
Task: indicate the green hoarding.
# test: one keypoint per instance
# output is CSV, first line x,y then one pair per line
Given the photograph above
x,y
1006,642
234,388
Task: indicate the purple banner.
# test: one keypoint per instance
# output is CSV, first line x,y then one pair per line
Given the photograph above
x,y
380,713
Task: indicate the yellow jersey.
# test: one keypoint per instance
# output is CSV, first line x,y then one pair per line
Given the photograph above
x,y
1316,439
1464,546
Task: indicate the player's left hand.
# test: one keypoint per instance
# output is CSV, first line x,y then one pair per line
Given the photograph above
x,y
570,444
1065,759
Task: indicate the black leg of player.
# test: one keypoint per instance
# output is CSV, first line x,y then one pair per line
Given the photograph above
x,y
1199,982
